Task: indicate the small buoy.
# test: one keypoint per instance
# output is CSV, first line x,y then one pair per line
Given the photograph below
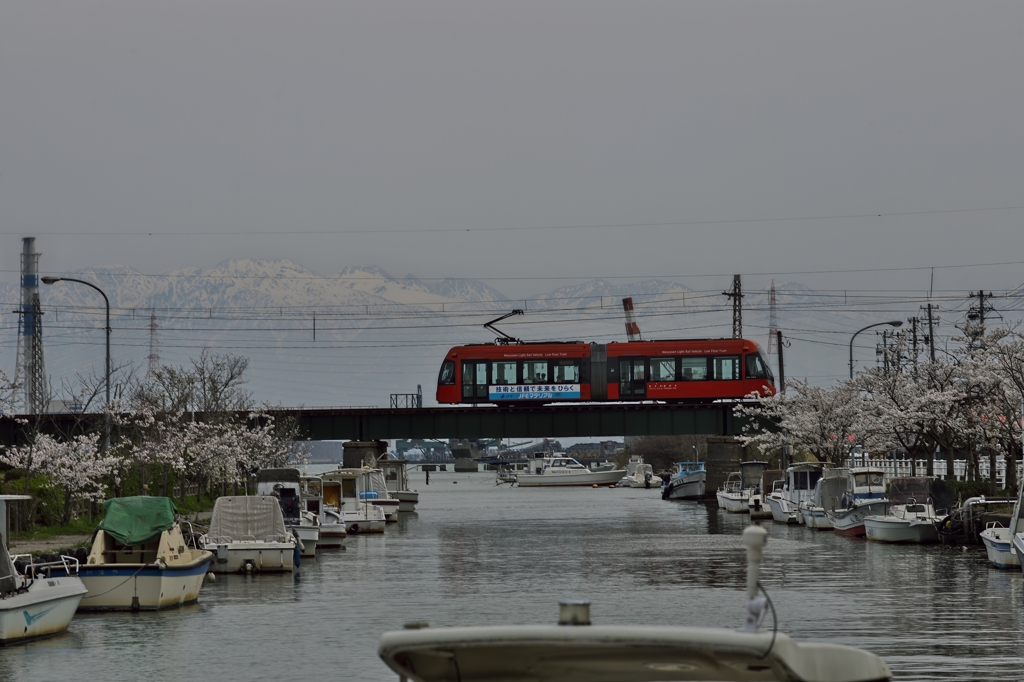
x,y
211,578
454,482
596,486
248,567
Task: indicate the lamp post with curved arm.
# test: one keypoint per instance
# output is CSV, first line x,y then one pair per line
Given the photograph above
x,y
891,323
54,280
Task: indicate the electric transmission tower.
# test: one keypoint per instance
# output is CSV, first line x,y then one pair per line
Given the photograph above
x,y
154,355
736,295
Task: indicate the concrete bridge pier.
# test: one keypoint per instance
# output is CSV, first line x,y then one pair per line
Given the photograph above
x,y
360,453
724,456
466,454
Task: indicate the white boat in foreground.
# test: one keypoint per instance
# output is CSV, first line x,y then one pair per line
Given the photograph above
x,y
140,560
576,651
560,470
35,603
247,534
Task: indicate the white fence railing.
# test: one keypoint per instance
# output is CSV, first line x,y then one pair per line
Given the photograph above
x,y
903,467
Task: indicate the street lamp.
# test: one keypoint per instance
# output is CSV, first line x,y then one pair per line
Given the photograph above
x,y
54,280
892,323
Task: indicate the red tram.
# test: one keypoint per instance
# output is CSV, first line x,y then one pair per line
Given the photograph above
x,y
690,370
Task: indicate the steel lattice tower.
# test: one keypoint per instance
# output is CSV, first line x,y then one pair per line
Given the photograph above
x,y
773,320
154,355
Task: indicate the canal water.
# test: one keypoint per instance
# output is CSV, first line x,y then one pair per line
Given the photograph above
x,y
478,554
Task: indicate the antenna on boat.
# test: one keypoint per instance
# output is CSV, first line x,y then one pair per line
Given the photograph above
x,y
504,339
754,538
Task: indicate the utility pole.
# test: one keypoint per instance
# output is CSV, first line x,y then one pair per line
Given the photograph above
x,y
885,351
931,334
977,313
913,331
736,296
782,366
773,320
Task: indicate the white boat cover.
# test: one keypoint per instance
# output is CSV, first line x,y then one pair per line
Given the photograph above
x,y
252,517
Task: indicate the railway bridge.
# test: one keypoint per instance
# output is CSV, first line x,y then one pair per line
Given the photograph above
x,y
466,422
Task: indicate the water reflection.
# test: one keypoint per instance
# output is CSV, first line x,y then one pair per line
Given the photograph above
x,y
477,554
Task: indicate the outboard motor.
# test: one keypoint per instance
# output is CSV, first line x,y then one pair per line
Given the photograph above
x,y
647,480
289,504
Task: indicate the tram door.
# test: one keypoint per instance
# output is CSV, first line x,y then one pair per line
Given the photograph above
x,y
474,380
632,378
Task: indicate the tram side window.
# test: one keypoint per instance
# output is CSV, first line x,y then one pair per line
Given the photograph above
x,y
447,375
663,369
756,369
726,367
693,369
503,373
566,371
535,372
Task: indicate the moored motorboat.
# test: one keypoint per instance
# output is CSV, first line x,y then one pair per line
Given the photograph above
x,y
865,496
35,599
799,486
247,534
999,542
577,651
140,560
560,470
396,478
687,482
757,503
736,498
731,483
373,488
342,492
829,492
286,485
332,526
639,475
910,520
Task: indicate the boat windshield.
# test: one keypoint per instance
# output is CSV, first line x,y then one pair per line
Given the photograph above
x,y
872,478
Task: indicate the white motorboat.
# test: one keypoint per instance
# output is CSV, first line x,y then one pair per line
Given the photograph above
x,y
577,651
732,483
757,503
999,542
687,482
735,498
561,470
332,526
639,475
865,496
396,478
373,488
908,519
140,560
247,534
342,490
34,602
286,486
829,492
799,486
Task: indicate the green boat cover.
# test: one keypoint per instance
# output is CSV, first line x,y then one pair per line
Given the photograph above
x,y
137,520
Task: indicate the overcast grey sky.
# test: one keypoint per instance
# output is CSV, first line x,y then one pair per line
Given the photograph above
x,y
355,133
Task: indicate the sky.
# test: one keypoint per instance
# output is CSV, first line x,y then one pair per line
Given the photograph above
x,y
869,146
